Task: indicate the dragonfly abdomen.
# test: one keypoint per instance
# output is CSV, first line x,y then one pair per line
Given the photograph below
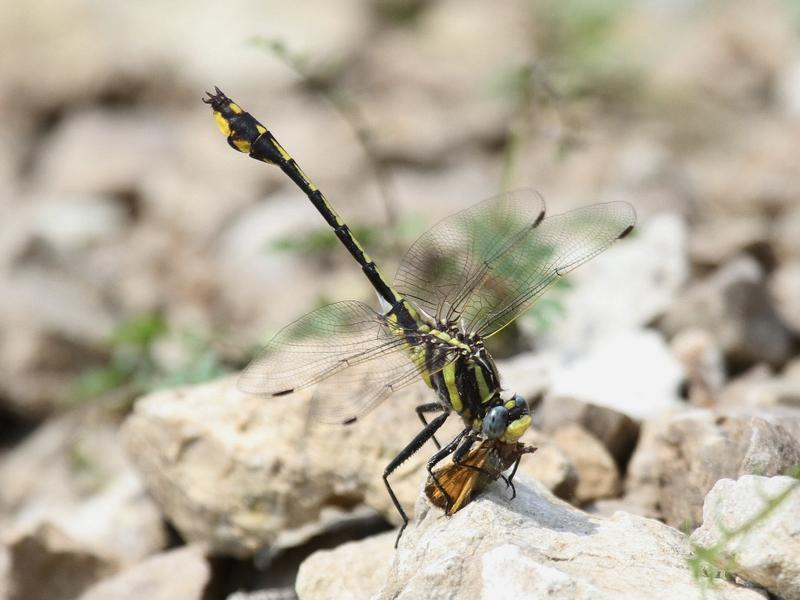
x,y
246,134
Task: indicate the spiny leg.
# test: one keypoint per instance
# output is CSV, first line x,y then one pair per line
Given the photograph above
x,y
510,480
406,453
428,408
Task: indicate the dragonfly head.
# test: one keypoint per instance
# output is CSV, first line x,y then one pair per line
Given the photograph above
x,y
507,421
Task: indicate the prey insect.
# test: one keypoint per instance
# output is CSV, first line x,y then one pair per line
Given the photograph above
x,y
465,478
464,280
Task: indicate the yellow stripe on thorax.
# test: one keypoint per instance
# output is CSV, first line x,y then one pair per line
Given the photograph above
x,y
447,338
449,376
484,391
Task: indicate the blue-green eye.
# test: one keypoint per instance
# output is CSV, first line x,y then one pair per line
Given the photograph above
x,y
495,421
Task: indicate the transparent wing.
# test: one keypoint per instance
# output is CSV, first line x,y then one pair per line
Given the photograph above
x,y
544,253
488,264
342,343
450,260
318,345
354,392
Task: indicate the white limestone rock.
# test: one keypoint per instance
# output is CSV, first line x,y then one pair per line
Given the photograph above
x,y
768,552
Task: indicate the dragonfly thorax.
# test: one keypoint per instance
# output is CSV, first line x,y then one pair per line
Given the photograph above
x,y
468,383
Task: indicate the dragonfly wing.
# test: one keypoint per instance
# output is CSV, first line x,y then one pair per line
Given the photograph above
x,y
354,392
317,346
349,348
443,267
556,246
488,264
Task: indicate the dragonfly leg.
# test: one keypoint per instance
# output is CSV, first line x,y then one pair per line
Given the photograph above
x,y
440,456
461,452
406,453
429,408
510,479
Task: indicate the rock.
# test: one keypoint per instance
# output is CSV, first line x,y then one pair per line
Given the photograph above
x,y
180,573
5,572
643,476
550,466
537,546
723,55
632,372
789,89
680,459
240,472
627,287
704,364
71,475
52,326
732,304
760,388
284,593
38,367
720,238
784,287
598,476
72,161
417,122
368,561
750,526
787,242
47,565
615,430
66,223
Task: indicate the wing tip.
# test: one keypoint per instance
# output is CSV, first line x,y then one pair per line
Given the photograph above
x,y
625,232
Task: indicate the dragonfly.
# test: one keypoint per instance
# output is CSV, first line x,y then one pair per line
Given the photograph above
x,y
461,282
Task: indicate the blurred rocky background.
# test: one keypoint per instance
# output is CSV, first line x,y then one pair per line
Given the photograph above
x,y
140,258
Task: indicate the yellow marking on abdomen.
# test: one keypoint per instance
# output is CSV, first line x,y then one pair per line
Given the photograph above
x,y
222,123
242,145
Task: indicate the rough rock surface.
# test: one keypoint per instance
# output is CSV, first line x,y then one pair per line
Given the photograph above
x,y
733,304
632,372
598,476
615,430
46,564
704,363
73,474
720,239
532,547
760,388
550,466
681,458
182,573
785,288
367,566
768,551
239,472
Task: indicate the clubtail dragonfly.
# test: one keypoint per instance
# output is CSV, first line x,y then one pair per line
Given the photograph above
x,y
464,280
